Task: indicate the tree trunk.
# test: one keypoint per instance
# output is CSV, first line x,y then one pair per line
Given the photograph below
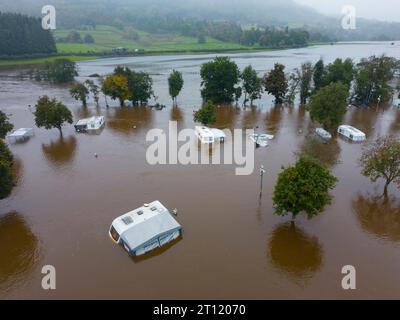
x,y
385,190
121,102
59,129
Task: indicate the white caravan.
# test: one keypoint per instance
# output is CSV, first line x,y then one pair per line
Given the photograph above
x,y
88,124
352,133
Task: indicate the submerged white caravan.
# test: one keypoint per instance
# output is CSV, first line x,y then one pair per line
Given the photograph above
x,y
93,123
209,135
145,229
352,133
261,139
20,135
323,133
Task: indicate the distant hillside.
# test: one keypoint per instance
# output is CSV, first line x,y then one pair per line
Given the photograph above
x,y
143,14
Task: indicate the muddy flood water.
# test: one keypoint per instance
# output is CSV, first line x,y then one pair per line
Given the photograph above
x,y
233,245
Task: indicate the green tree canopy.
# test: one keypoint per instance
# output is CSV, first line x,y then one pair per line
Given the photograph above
x,y
305,75
276,84
340,71
5,125
252,84
329,105
381,160
58,71
303,187
80,92
7,179
207,114
219,80
373,77
319,75
175,84
51,113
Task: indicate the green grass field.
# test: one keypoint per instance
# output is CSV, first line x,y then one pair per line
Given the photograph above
x,y
107,37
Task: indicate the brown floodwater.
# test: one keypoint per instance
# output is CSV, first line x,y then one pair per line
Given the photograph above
x,y
233,245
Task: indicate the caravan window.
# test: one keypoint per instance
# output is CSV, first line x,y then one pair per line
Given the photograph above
x,y
114,234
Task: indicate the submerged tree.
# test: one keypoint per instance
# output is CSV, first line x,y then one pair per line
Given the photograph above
x,y
303,187
80,93
7,179
319,75
381,160
276,84
219,79
5,125
329,105
207,114
175,84
94,90
305,75
252,85
51,114
116,86
340,71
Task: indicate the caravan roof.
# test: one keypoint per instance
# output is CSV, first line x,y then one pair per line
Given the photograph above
x,y
354,131
144,224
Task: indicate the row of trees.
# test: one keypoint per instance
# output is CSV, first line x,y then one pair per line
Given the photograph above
x,y
22,35
75,37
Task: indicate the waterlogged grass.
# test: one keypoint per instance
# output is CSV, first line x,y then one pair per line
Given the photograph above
x,y
107,37
43,60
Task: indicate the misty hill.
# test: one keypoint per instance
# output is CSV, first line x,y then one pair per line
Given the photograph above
x,y
144,14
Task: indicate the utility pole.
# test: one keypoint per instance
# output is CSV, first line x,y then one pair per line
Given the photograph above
x,y
262,171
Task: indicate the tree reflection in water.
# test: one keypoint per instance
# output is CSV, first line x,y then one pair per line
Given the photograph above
x,y
60,152
294,253
19,251
327,152
379,216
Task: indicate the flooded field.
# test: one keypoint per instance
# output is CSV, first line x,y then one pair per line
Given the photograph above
x,y
233,245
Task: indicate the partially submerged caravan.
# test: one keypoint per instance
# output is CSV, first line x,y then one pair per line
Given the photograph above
x,y
352,133
88,124
145,229
261,139
19,135
209,135
323,133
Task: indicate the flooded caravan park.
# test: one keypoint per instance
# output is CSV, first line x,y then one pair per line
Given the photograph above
x,y
233,245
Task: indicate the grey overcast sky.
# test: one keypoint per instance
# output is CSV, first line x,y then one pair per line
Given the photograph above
x,y
388,10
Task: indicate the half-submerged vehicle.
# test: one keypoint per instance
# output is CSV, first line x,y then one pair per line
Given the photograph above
x,y
323,133
145,229
20,135
209,135
261,139
352,133
90,124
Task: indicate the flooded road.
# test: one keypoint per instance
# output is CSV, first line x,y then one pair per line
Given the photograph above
x,y
233,245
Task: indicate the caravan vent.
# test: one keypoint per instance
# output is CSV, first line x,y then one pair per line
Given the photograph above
x,y
153,208
127,220
140,212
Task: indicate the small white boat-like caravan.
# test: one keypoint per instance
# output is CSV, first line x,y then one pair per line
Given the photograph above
x,y
323,133
261,139
21,134
209,135
88,124
145,229
352,133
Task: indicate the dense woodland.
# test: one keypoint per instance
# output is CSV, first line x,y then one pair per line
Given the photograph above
x,y
20,34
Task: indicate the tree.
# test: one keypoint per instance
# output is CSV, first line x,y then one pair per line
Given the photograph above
x,y
319,75
381,160
51,114
5,125
276,84
94,90
140,85
207,114
74,37
252,85
116,86
373,77
175,84
79,92
340,71
303,187
329,105
58,71
88,38
7,179
305,75
201,39
219,78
